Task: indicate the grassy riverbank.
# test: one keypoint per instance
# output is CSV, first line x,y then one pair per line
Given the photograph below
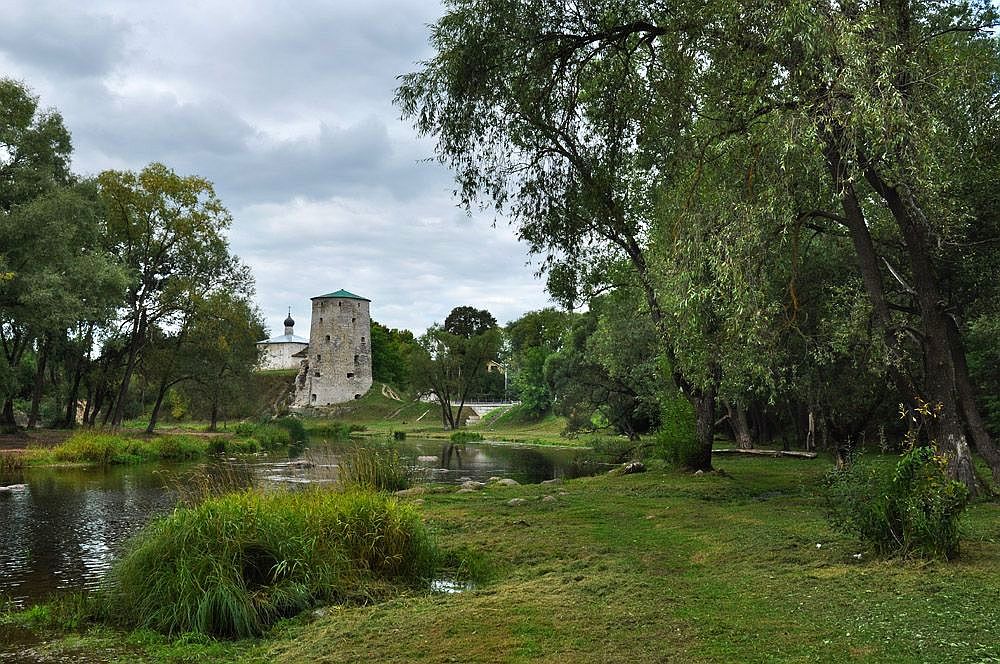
x,y
662,566
94,447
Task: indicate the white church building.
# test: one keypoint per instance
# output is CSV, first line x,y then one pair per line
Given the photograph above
x,y
278,352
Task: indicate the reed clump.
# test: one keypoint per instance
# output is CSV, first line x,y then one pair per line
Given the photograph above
x,y
234,564
11,460
112,449
374,469
463,436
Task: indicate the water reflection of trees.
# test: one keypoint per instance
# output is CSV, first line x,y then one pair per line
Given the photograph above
x,y
450,451
64,529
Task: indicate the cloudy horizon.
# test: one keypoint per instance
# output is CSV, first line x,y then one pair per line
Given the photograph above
x,y
289,113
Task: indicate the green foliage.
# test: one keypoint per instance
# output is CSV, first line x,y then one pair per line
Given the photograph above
x,y
463,436
453,367
677,440
112,449
374,469
614,450
235,564
272,436
391,351
914,510
606,373
469,322
327,430
296,430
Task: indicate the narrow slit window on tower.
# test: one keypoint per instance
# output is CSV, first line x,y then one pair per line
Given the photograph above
x,y
350,375
318,357
316,374
357,358
321,319
362,339
354,320
340,304
328,337
314,397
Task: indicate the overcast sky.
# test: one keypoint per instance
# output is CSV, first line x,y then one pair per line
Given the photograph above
x,y
287,108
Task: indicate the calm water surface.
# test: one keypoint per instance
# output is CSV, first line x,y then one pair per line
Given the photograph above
x,y
62,529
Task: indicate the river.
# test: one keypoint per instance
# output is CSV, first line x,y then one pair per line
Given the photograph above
x,y
61,528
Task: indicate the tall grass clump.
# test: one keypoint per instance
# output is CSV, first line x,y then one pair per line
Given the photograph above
x,y
108,449
466,437
375,469
913,510
11,461
235,564
272,436
334,430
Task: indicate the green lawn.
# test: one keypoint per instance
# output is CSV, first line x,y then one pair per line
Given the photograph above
x,y
662,566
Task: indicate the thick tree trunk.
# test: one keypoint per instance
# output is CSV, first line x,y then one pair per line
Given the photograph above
x,y
967,400
74,391
7,420
704,410
39,384
939,354
738,422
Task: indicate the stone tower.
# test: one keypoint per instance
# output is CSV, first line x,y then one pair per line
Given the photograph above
x,y
338,364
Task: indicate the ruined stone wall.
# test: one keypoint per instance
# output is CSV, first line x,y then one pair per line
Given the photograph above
x,y
339,366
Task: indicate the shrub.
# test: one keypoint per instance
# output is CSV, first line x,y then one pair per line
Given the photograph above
x,y
914,510
335,430
677,438
374,469
466,437
111,449
615,450
296,430
180,447
272,436
235,564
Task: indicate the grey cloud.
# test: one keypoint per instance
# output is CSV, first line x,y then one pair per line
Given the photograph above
x,y
287,108
68,41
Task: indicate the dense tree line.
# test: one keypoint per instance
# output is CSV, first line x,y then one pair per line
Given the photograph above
x,y
797,195
113,290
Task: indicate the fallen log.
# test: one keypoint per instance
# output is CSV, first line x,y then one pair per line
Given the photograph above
x,y
770,453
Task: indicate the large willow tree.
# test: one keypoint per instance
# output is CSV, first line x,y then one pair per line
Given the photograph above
x,y
696,140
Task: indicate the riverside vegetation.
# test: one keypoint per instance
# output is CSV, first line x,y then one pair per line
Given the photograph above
x,y
736,565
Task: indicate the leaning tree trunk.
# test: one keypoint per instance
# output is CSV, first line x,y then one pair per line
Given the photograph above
x,y
155,415
138,331
939,365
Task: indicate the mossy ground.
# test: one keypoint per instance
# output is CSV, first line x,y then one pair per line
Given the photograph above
x,y
661,566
